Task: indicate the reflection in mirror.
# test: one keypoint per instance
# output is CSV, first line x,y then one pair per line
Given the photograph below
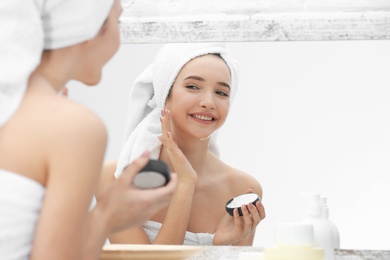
x,y
308,116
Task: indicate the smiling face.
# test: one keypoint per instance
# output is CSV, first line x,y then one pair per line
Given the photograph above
x,y
200,97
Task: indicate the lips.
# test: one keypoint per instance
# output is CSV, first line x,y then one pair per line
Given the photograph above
x,y
203,117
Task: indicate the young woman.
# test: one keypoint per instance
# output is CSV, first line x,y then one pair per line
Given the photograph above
x,y
183,99
52,149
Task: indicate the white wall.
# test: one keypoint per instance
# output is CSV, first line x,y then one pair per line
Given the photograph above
x,y
309,116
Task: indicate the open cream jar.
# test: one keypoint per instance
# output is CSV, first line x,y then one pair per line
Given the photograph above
x,y
154,174
240,200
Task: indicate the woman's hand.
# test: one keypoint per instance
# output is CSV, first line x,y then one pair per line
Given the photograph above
x,y
124,206
181,165
64,92
233,229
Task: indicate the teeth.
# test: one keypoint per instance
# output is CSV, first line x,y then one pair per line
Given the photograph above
x,y
208,118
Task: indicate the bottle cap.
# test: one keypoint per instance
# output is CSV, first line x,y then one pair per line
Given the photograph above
x,y
324,207
313,208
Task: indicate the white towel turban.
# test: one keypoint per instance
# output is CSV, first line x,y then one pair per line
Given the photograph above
x,y
150,91
21,44
27,27
69,22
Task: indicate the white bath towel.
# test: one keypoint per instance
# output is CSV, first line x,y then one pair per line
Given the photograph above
x,y
191,239
28,27
150,90
21,200
21,44
69,22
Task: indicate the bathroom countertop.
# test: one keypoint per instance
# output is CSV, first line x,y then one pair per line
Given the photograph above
x,y
233,252
350,254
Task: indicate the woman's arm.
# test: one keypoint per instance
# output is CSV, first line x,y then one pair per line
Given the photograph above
x,y
177,216
122,206
73,141
106,177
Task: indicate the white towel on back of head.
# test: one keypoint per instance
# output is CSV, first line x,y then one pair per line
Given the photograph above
x,y
21,44
28,27
150,91
69,22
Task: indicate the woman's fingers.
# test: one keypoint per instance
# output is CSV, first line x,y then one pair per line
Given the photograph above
x,y
167,114
247,228
64,92
179,162
165,121
133,168
256,218
260,210
251,216
257,213
166,136
237,218
162,195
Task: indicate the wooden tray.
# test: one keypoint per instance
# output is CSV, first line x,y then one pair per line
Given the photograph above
x,y
151,252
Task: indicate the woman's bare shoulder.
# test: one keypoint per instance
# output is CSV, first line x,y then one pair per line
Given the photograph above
x,y
47,107
241,181
54,112
72,123
47,129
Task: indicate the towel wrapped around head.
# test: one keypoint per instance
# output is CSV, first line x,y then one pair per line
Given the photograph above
x,y
69,22
21,44
29,27
150,91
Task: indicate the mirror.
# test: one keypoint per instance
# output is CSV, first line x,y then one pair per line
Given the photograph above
x,y
309,115
319,114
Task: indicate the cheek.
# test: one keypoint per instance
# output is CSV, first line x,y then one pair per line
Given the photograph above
x,y
224,106
223,110
114,44
116,36
111,41
176,101
176,108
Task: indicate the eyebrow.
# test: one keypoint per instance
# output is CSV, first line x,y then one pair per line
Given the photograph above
x,y
202,79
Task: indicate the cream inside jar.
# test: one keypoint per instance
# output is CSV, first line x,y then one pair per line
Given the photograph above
x,y
240,200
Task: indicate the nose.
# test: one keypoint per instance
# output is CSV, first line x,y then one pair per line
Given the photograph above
x,y
207,101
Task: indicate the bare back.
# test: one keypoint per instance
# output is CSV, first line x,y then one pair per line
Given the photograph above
x,y
60,145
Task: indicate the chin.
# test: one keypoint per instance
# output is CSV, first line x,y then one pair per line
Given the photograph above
x,y
92,81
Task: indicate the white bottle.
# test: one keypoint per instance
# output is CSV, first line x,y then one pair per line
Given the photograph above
x,y
324,234
325,215
293,241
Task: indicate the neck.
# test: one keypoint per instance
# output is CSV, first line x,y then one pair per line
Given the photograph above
x,y
56,68
195,150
